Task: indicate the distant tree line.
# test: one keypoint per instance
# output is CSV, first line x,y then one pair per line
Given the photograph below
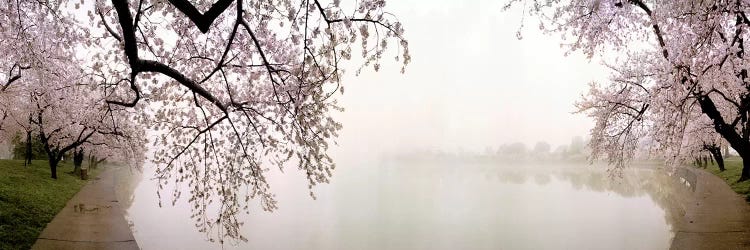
x,y
542,150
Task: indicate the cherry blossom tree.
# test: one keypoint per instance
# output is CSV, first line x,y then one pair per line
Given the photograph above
x,y
671,58
32,44
232,87
240,86
702,141
46,91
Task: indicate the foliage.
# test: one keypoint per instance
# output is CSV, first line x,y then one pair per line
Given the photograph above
x,y
19,147
245,86
678,66
48,92
542,148
29,199
232,87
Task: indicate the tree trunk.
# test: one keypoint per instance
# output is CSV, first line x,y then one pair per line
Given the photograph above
x,y
716,152
97,161
27,157
745,155
53,166
745,169
726,130
76,170
77,161
705,161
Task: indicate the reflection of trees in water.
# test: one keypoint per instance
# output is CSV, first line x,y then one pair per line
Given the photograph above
x,y
542,179
514,177
126,180
663,189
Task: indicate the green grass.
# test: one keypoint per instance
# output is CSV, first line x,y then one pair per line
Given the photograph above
x,y
29,199
732,173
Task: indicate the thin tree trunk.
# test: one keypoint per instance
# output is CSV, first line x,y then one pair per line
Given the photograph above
x,y
29,152
705,161
97,161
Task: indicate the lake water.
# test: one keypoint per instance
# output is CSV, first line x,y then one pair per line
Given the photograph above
x,y
399,205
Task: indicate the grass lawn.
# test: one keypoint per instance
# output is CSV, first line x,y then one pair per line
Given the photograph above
x,y
732,174
29,199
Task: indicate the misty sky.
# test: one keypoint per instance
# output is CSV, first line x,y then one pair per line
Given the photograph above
x,y
471,83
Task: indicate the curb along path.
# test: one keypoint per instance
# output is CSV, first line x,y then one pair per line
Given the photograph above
x,y
92,219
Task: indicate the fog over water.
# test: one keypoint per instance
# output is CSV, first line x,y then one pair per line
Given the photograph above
x,y
399,205
471,86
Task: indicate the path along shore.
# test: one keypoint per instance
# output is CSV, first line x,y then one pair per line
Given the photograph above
x,y
92,219
715,216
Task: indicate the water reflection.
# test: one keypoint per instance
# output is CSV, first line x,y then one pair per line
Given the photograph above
x,y
392,205
126,180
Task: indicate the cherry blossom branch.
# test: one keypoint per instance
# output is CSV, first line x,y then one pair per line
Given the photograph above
x,y
202,21
138,65
107,27
15,77
655,26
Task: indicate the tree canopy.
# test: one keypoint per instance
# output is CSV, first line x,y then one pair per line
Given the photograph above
x,y
679,66
232,88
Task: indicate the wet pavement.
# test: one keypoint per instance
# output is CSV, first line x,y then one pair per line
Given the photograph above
x,y
715,216
92,219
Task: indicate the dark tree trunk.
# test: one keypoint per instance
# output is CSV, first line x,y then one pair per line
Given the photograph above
x,y
53,166
745,169
77,161
29,153
54,156
738,141
716,153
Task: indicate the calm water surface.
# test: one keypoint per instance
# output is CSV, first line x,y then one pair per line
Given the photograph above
x,y
392,205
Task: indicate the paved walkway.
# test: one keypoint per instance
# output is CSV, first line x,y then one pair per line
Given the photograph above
x,y
715,218
92,219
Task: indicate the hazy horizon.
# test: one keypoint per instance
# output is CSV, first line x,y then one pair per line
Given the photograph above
x,y
468,87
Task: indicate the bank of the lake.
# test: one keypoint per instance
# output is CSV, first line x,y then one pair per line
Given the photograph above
x,y
715,216
733,166
29,199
